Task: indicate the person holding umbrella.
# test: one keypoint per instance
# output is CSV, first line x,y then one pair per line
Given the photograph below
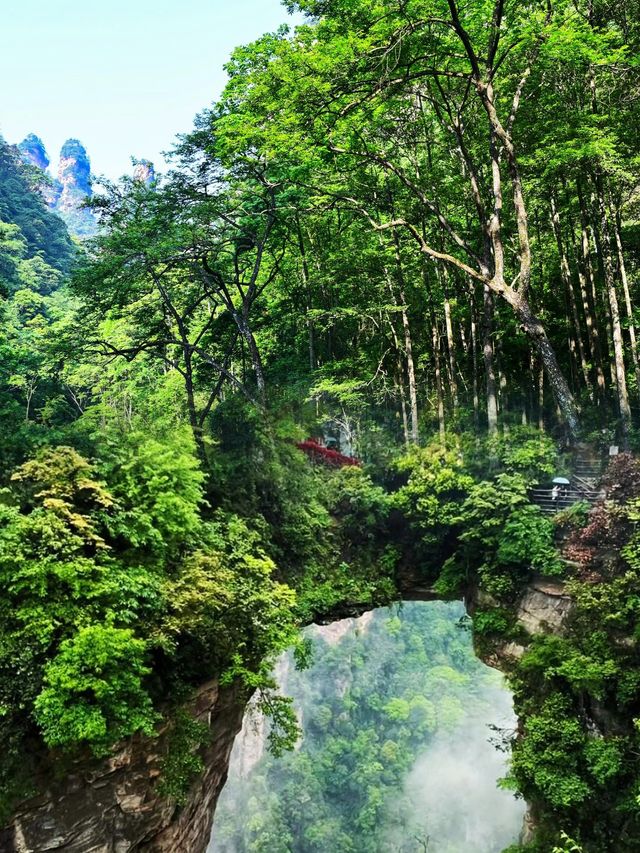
x,y
560,491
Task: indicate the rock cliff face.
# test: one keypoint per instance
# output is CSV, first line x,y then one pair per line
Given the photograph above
x,y
144,172
67,193
33,151
112,806
74,186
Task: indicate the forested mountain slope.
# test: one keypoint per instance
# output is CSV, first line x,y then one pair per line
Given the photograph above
x,y
37,230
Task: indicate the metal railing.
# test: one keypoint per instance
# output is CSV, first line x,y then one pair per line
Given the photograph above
x,y
563,499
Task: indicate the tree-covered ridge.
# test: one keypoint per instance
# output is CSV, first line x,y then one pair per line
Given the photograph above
x,y
37,234
394,687
36,256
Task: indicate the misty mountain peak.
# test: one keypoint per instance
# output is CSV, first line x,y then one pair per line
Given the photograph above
x,y
33,151
74,168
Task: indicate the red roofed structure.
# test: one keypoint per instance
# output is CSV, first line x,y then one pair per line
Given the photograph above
x,y
324,455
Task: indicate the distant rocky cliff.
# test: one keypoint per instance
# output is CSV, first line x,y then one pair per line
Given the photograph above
x,y
68,191
33,150
144,172
74,182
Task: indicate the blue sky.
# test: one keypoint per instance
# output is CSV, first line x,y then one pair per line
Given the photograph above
x,y
123,76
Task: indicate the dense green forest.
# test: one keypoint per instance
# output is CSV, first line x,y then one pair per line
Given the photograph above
x,y
382,691
411,225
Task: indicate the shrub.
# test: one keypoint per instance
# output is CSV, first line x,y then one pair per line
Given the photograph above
x,y
547,758
94,691
360,505
158,487
526,451
622,478
527,540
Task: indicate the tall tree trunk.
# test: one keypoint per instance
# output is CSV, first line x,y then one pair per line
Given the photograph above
x,y
400,300
568,283
403,405
474,357
536,332
487,354
596,240
411,374
451,346
541,398
194,421
627,298
618,346
501,146
503,394
435,337
589,301
307,289
254,355
400,378
408,342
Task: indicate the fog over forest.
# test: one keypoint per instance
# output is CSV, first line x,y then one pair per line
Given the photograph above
x,y
400,748
451,790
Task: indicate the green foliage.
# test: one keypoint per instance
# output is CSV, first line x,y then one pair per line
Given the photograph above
x,y
86,567
493,621
486,527
182,763
93,690
305,268
527,539
284,730
59,479
263,477
452,579
568,845
573,517
554,657
527,452
54,566
437,484
361,506
224,607
605,759
546,761
631,551
40,230
157,486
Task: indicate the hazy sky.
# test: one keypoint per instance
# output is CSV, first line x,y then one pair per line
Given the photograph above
x,y
123,76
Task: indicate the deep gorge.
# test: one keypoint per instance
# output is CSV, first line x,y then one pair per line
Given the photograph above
x,y
395,750
117,800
